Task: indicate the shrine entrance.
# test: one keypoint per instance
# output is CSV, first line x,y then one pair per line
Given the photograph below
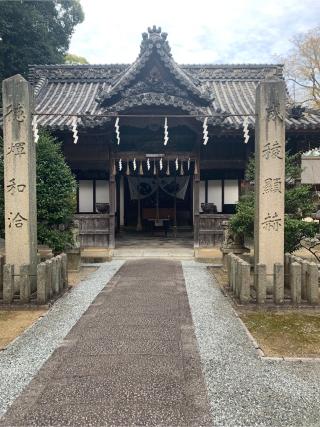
x,y
154,181
154,199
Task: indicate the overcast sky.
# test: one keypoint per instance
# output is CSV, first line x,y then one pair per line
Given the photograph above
x,y
202,31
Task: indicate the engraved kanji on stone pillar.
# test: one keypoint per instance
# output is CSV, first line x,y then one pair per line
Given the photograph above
x,y
269,175
19,177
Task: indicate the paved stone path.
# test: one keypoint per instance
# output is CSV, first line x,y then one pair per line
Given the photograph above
x,y
132,358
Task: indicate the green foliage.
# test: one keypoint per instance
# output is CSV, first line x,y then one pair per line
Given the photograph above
x,y
70,58
292,171
56,239
295,230
35,32
243,221
298,201
56,194
298,204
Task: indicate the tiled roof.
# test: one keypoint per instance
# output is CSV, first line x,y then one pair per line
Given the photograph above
x,y
199,89
74,90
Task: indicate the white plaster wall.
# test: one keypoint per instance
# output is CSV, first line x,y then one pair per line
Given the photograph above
x,y
231,191
215,193
85,195
102,191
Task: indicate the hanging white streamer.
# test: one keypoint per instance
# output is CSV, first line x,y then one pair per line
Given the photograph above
x,y
148,164
177,164
189,164
166,134
35,129
205,131
160,164
120,165
117,128
246,130
134,164
74,130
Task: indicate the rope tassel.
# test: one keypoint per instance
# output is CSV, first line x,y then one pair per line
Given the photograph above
x,y
205,131
246,130
35,129
74,130
166,134
117,129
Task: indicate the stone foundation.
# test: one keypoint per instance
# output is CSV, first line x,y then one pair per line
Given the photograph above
x,y
300,276
51,280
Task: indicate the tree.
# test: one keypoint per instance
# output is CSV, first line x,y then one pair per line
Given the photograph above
x,y
302,67
298,204
35,32
70,58
56,194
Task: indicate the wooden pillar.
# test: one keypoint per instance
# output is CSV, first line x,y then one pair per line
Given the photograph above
x,y
19,178
175,208
139,225
196,192
112,202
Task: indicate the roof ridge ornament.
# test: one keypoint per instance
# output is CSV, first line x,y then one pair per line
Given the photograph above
x,y
154,44
154,38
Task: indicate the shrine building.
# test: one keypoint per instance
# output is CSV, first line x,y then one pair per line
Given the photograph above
x,y
156,146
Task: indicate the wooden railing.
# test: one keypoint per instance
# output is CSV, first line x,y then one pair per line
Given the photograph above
x,y
210,229
94,230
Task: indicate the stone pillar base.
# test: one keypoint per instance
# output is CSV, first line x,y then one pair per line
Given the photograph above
x,y
74,259
237,250
45,252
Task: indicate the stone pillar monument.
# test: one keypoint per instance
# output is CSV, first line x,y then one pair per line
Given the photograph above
x,y
19,177
269,176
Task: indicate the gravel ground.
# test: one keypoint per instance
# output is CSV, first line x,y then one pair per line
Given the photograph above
x,y
243,389
24,357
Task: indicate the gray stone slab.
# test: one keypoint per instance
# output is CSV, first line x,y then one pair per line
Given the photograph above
x,y
102,415
90,320
107,389
116,346
136,367
129,333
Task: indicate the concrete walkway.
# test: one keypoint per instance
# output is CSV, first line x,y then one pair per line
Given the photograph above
x,y
132,358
